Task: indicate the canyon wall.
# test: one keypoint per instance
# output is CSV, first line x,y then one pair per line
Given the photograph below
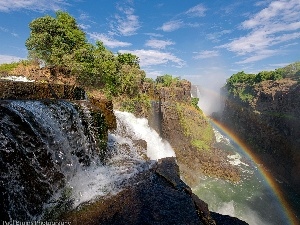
x,y
269,122
189,132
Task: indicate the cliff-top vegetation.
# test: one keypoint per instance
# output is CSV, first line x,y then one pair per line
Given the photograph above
x,y
241,83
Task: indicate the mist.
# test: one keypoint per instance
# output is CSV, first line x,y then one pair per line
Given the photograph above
x,y
209,90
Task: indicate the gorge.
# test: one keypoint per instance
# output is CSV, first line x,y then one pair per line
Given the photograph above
x,y
52,149
265,116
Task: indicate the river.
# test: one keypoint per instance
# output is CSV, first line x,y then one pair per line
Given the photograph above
x,y
252,199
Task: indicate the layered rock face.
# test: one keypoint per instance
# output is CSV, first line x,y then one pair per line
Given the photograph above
x,y
189,133
270,125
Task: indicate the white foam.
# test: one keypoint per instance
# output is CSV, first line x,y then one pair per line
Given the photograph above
x,y
157,148
126,161
220,137
248,215
17,78
227,208
236,160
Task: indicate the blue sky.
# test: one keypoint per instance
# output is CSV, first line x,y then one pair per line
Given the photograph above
x,y
201,41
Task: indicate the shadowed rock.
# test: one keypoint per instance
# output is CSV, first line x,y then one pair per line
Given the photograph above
x,y
156,196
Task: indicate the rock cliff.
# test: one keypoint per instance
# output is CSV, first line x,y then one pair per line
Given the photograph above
x,y
270,124
189,132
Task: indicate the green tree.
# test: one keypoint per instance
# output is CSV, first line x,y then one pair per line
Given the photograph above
x,y
167,80
128,59
56,41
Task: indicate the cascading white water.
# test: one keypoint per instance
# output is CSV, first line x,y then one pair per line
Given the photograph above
x,y
47,149
138,128
42,145
129,157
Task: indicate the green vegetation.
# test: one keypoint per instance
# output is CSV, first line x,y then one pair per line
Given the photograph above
x,y
59,42
140,103
195,126
167,81
290,71
8,67
241,84
195,103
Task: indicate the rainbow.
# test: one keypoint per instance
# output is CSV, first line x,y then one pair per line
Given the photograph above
x,y
267,175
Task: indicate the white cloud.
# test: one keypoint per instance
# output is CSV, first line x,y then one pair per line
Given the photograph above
x,y
215,37
160,44
277,65
196,11
206,54
154,35
263,54
36,5
276,24
155,57
108,41
84,26
5,30
84,16
9,59
172,25
175,25
127,23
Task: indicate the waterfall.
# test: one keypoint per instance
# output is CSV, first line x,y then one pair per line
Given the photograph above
x,y
49,157
133,146
42,145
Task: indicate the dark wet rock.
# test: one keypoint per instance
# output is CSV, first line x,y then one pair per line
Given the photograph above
x,y
168,169
155,197
41,144
32,91
141,146
226,220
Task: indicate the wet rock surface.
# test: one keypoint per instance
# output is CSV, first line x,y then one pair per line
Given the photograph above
x,y
157,196
30,90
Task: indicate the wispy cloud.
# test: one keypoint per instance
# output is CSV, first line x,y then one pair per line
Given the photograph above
x,y
154,35
9,59
5,30
84,26
215,37
196,11
262,54
183,17
172,25
175,25
276,65
278,23
159,44
155,57
126,23
35,5
206,54
153,73
108,41
84,16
